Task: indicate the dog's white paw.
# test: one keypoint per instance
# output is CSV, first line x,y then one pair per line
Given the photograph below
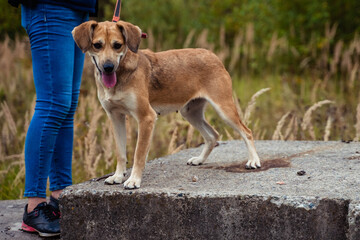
x,y
132,183
114,179
195,161
253,164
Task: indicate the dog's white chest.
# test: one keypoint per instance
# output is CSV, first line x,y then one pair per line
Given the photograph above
x,y
124,102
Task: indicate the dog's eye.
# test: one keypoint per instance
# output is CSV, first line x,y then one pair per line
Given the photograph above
x,y
97,45
117,45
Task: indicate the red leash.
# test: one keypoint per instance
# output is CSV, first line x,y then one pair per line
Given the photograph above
x,y
116,16
117,11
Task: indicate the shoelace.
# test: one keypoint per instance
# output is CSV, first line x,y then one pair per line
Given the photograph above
x,y
55,211
50,212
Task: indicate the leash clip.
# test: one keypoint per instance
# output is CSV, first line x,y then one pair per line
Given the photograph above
x,y
115,19
116,16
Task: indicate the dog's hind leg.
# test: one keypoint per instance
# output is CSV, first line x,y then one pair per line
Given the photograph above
x,y
119,125
194,113
227,110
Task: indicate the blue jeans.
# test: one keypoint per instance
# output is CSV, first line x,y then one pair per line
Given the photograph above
x,y
57,67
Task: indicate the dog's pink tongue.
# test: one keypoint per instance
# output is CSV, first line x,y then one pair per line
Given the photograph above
x,y
109,80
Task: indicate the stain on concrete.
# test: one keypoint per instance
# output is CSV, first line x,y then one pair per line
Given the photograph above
x,y
266,164
240,167
354,158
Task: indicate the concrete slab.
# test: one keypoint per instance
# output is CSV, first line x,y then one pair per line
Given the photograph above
x,y
220,200
305,190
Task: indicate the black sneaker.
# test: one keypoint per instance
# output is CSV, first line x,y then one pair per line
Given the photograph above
x,y
41,220
54,203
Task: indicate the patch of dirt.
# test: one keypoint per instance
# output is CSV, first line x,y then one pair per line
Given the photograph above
x,y
277,162
240,167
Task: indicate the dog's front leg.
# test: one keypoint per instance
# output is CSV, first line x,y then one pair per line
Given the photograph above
x,y
119,124
146,125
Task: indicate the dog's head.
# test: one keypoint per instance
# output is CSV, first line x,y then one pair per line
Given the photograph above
x,y
107,43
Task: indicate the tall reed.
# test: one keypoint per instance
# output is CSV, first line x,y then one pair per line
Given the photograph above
x,y
292,110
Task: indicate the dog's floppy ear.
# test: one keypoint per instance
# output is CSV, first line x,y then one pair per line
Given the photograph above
x,y
83,34
131,34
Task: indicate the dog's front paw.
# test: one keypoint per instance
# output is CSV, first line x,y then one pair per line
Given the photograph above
x,y
195,161
114,179
132,183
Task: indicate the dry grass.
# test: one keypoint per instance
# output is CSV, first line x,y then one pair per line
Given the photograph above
x,y
251,105
291,132
292,110
357,126
277,133
328,126
306,123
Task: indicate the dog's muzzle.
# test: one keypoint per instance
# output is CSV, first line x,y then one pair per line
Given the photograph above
x,y
108,67
108,75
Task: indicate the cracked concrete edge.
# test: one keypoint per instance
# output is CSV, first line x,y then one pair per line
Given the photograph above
x,y
11,214
306,202
354,221
294,209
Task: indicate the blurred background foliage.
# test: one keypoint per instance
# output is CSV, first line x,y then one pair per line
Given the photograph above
x,y
300,22
175,18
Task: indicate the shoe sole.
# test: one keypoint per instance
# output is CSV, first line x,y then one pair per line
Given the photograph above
x,y
27,228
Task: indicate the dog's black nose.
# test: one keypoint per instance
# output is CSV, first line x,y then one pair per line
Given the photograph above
x,y
108,67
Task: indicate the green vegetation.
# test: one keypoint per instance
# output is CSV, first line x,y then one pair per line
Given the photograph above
x,y
306,52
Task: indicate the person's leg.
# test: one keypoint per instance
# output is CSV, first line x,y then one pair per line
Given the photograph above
x,y
53,63
41,135
29,17
60,172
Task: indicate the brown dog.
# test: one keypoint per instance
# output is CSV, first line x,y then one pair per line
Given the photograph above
x,y
145,84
